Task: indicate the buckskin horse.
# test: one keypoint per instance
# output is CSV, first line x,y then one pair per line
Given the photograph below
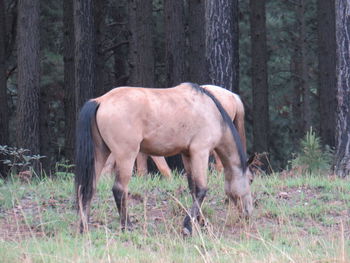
x,y
185,119
235,109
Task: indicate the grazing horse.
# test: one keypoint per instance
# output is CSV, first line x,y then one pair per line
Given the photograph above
x,y
185,119
235,109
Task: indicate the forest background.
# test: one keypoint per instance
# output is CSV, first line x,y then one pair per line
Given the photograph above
x,y
280,56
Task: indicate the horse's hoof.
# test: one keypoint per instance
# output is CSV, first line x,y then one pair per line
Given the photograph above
x,y
186,232
128,227
83,228
203,222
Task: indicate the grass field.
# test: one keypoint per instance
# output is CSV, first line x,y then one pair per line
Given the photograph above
x,y
296,219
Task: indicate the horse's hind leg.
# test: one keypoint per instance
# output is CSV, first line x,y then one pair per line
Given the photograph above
x,y
197,178
101,153
100,157
124,163
109,167
162,165
218,164
141,164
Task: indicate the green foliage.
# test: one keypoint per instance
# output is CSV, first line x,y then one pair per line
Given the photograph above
x,y
282,32
18,158
64,169
312,159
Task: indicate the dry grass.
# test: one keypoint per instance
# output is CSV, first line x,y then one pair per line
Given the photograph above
x,y
296,219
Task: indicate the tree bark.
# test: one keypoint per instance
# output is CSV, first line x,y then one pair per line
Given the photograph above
x,y
259,76
297,125
174,28
301,67
84,31
141,45
69,79
326,70
3,85
197,68
99,15
342,160
28,76
120,46
221,18
174,42
3,82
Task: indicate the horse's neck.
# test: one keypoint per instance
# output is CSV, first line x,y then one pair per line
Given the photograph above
x,y
229,155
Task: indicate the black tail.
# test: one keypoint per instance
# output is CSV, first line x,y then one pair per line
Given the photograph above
x,y
228,121
84,153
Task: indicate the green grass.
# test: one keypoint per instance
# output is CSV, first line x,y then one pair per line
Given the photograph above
x,y
296,219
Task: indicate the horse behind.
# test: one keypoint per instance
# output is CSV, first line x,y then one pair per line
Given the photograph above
x,y
185,119
235,109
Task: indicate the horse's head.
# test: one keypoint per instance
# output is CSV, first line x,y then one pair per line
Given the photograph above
x,y
237,187
244,200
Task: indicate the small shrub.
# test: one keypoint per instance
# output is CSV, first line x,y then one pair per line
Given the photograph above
x,y
312,158
17,159
64,169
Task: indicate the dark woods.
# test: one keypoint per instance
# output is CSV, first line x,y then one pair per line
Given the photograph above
x,y
283,57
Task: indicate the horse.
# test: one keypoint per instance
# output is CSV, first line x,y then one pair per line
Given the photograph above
x,y
235,109
185,119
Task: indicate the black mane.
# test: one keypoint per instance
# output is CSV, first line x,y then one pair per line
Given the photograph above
x,y
228,121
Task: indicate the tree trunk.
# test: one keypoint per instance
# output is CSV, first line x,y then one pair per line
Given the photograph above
x,y
84,31
120,68
174,28
28,76
46,135
326,70
120,51
99,15
141,45
69,79
174,42
259,76
297,125
198,71
301,67
342,14
221,18
3,85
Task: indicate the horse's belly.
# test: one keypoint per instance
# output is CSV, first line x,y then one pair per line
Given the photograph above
x,y
162,147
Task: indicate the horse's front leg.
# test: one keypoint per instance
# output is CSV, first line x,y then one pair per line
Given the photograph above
x,y
196,171
191,185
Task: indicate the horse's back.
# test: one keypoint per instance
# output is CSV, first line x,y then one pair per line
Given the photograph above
x,y
229,100
161,121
